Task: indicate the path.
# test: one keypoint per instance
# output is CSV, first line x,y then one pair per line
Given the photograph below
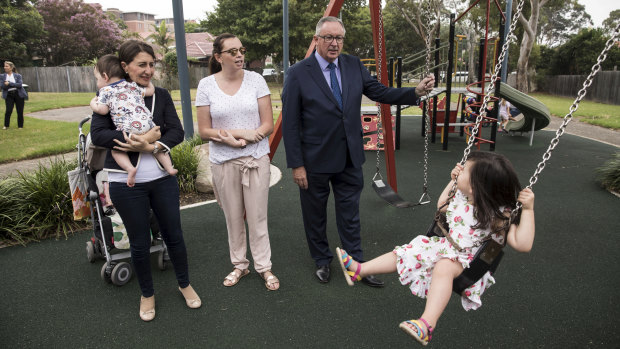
x,y
76,114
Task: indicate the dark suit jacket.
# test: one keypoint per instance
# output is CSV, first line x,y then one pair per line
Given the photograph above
x,y
316,132
103,132
21,92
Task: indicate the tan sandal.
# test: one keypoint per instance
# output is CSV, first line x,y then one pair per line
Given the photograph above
x,y
271,282
234,277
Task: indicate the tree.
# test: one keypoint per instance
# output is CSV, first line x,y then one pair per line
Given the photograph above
x,y
193,27
609,24
401,39
76,32
161,38
578,55
530,26
258,24
557,26
21,29
418,13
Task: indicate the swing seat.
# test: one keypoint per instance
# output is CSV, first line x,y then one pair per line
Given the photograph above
x,y
487,258
389,195
386,192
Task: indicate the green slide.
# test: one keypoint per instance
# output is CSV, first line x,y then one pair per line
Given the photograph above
x,y
533,110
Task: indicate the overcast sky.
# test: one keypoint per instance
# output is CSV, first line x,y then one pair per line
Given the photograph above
x,y
195,9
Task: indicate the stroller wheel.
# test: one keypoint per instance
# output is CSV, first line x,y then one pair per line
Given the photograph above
x,y
161,262
105,274
90,251
121,274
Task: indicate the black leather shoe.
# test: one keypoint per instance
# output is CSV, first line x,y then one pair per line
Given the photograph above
x,y
372,281
323,273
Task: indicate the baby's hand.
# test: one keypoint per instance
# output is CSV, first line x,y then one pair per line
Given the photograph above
x,y
526,198
456,171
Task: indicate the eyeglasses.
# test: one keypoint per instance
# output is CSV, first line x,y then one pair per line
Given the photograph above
x,y
233,51
330,38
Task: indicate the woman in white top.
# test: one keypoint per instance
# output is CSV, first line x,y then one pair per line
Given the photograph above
x,y
13,93
235,115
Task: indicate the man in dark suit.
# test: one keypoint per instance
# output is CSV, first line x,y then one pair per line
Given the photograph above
x,y
322,134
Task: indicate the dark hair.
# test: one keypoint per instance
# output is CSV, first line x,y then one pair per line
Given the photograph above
x,y
494,183
111,66
214,65
131,48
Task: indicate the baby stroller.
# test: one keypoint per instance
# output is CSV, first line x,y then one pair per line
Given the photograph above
x,y
109,240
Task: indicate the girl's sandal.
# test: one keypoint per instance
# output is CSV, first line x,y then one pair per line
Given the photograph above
x,y
271,282
345,261
232,278
422,335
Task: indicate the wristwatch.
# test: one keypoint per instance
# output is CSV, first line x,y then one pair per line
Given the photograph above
x,y
156,148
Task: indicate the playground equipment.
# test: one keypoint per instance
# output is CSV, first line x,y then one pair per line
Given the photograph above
x,y
536,115
386,192
490,253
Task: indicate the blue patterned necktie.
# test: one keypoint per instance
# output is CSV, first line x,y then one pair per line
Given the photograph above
x,y
334,83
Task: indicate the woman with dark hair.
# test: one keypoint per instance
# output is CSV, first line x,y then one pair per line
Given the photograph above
x,y
235,115
154,188
13,93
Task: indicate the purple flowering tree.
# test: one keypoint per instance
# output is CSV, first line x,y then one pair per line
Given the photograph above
x,y
76,32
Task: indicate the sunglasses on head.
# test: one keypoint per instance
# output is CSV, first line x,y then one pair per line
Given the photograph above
x,y
233,51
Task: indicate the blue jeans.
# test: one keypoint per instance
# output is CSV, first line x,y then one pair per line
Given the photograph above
x,y
133,204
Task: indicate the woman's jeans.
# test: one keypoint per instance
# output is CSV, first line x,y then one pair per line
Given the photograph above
x,y
12,98
133,204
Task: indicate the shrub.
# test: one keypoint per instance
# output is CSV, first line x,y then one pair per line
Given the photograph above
x,y
49,199
37,204
186,159
15,222
609,173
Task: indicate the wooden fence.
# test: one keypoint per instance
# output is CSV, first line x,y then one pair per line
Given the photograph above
x,y
605,87
82,79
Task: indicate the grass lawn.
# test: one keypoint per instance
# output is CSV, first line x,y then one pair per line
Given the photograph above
x,y
41,137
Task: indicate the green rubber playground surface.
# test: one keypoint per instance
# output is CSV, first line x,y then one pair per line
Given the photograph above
x,y
564,294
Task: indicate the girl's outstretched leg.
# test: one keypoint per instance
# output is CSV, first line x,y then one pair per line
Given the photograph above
x,y
354,271
444,272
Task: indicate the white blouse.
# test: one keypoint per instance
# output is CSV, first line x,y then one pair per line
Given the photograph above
x,y
239,111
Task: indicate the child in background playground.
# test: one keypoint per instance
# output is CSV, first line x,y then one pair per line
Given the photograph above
x,y
504,114
469,112
124,101
478,211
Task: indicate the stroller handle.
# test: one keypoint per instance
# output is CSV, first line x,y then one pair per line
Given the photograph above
x,y
85,120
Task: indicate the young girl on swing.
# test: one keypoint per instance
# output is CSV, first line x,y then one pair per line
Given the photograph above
x,y
487,189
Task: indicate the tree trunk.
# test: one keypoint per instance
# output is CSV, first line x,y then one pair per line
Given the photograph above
x,y
529,36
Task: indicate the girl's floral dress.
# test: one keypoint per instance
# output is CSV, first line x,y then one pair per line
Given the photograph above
x,y
415,260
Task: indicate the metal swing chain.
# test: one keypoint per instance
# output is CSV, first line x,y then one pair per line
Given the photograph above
x,y
483,109
378,66
568,117
427,69
427,124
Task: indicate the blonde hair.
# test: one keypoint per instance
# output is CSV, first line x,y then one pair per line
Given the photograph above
x,y
12,65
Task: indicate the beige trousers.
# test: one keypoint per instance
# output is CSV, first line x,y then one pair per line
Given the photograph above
x,y
241,187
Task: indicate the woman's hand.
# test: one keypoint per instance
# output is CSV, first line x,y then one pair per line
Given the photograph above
x,y
456,171
226,138
135,143
252,136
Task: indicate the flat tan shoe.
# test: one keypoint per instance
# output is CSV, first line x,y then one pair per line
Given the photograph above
x,y
234,277
147,308
191,298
